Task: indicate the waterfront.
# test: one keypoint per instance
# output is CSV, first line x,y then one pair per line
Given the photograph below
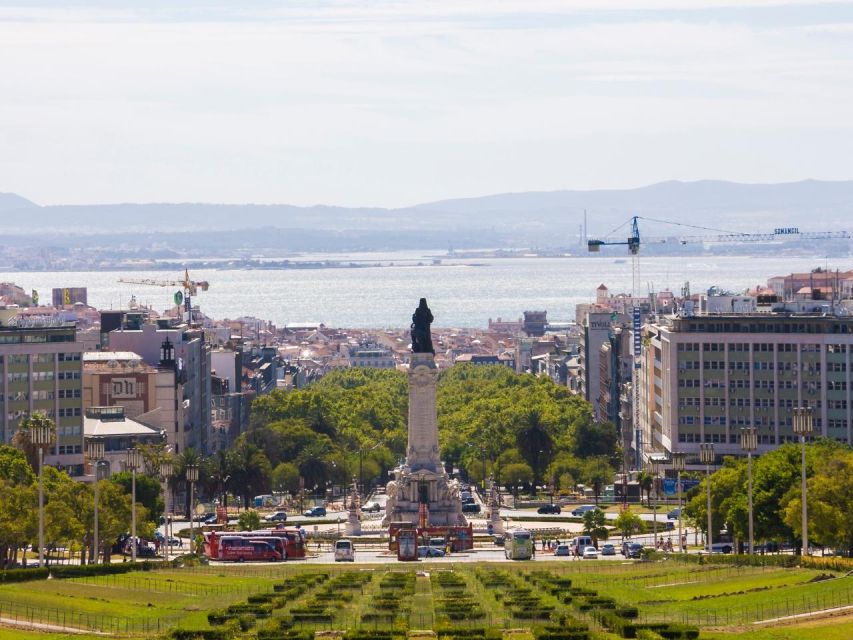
x,y
461,293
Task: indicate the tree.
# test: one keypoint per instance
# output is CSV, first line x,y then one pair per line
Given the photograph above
x,y
597,473
285,477
249,521
646,481
516,474
251,471
148,491
595,525
629,523
22,440
14,466
18,520
593,439
534,439
830,502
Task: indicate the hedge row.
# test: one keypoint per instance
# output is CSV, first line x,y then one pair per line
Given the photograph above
x,y
76,571
834,563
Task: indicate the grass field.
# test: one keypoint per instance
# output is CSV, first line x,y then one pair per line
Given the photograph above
x,y
725,601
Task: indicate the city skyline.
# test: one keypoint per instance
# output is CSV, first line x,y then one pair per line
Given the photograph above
x,y
389,104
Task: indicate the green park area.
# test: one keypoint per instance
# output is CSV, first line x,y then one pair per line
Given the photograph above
x,y
554,600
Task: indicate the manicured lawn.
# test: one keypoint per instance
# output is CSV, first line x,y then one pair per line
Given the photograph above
x,y
514,595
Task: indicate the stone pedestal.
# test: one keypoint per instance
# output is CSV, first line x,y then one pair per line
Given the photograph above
x,y
353,526
422,479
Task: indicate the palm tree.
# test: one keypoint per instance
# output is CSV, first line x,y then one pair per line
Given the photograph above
x,y
250,471
646,481
22,440
182,461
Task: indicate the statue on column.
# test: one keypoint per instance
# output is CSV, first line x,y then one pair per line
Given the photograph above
x,y
353,527
421,336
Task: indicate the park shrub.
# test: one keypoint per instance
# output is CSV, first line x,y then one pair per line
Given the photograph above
x,y
246,621
285,634
577,631
218,617
259,610
629,613
75,571
261,598
648,634
201,634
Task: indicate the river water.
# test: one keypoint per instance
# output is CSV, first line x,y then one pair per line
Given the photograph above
x,y
461,292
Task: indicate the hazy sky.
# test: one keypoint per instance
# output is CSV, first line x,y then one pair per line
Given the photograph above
x,y
394,103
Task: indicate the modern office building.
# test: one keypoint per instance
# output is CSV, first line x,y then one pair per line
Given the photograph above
x,y
705,377
41,367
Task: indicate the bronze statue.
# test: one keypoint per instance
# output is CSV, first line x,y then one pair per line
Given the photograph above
x,y
421,320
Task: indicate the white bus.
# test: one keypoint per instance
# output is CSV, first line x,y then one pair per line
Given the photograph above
x,y
518,545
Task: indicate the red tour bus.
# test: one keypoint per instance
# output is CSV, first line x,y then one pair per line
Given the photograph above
x,y
241,549
288,542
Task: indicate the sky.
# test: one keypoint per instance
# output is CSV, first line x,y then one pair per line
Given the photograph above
x,y
393,103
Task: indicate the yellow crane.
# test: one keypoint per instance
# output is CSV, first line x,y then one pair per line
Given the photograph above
x,y
188,288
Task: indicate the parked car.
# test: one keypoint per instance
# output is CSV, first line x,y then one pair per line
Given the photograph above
x,y
632,550
499,541
430,552
608,550
579,511
471,507
211,519
278,516
673,515
468,500
562,550
315,512
344,551
580,543
372,507
590,553
549,508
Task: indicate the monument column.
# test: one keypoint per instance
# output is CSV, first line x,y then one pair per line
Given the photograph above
x,y
422,449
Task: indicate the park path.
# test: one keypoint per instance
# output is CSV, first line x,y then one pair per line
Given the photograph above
x,y
41,626
810,614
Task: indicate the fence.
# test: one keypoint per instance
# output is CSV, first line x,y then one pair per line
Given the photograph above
x,y
63,619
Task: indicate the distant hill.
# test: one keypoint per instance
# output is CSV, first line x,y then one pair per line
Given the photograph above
x,y
10,202
517,219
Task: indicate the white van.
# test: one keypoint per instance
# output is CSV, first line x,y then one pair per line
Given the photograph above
x,y
580,543
344,551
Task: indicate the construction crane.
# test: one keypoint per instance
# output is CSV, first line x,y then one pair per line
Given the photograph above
x,y
188,288
633,243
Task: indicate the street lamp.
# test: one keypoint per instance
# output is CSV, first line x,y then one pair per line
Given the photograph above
x,y
803,420
134,461
652,467
95,451
361,467
192,478
678,464
167,470
41,435
749,443
706,457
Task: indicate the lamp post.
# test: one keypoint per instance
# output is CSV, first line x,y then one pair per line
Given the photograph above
x,y
41,435
192,478
749,443
134,461
361,467
652,467
803,422
95,451
678,465
167,469
706,457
